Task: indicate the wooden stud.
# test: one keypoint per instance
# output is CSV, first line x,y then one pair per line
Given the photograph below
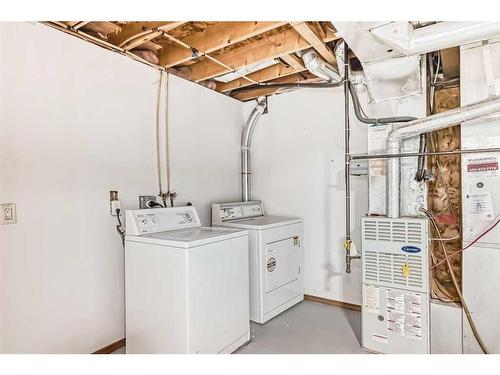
x,y
215,37
263,75
134,33
315,41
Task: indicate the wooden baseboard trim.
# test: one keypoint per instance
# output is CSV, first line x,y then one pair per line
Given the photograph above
x,y
111,347
332,302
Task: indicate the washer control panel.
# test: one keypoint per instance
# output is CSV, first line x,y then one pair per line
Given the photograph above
x,y
222,212
154,220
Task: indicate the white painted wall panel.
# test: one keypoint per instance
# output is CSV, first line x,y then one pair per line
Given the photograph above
x,y
205,130
298,170
76,121
479,77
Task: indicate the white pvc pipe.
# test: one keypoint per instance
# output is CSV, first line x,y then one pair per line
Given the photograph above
x,y
402,37
427,124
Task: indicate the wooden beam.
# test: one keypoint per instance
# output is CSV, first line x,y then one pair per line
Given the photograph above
x,y
71,23
151,46
264,49
315,41
263,75
215,37
76,24
293,61
102,27
135,33
249,94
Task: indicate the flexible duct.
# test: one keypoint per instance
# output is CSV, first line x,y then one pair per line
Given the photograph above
x,y
319,67
402,37
427,124
246,143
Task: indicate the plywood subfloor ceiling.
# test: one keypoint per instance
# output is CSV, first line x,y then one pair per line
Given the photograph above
x,y
205,52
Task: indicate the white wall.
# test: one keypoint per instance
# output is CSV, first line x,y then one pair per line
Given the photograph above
x,y
298,170
75,122
205,133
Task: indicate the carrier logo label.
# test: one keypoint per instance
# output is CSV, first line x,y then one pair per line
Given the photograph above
x,y
411,249
271,264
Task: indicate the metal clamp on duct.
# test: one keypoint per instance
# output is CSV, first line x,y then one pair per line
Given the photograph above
x,y
427,124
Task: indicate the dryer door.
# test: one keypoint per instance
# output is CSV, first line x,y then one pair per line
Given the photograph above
x,y
282,263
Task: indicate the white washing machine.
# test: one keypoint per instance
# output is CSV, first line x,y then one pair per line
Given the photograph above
x,y
186,286
276,256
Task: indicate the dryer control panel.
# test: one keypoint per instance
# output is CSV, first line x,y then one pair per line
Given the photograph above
x,y
154,220
222,212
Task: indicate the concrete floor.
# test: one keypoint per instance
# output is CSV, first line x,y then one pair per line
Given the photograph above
x,y
307,328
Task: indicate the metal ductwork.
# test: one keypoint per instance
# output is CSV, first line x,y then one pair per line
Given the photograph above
x,y
427,124
320,68
403,38
246,143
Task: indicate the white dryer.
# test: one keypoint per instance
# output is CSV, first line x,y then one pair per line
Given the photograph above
x,y
186,286
276,256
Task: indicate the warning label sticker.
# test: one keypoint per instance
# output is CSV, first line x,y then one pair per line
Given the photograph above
x,y
481,194
404,314
479,205
371,299
482,164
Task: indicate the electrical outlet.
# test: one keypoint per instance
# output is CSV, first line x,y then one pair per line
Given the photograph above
x,y
115,205
114,202
8,213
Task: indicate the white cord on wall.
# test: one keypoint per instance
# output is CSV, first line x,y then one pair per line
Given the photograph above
x,y
163,186
167,131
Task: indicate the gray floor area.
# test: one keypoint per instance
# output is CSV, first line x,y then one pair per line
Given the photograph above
x,y
307,328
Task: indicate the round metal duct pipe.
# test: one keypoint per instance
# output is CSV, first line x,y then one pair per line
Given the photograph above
x,y
246,143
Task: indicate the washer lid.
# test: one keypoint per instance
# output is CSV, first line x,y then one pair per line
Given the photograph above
x,y
186,238
262,222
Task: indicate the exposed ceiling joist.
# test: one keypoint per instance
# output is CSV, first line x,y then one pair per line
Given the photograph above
x,y
199,51
263,75
315,41
102,27
71,23
249,94
213,38
133,34
293,61
80,24
284,43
